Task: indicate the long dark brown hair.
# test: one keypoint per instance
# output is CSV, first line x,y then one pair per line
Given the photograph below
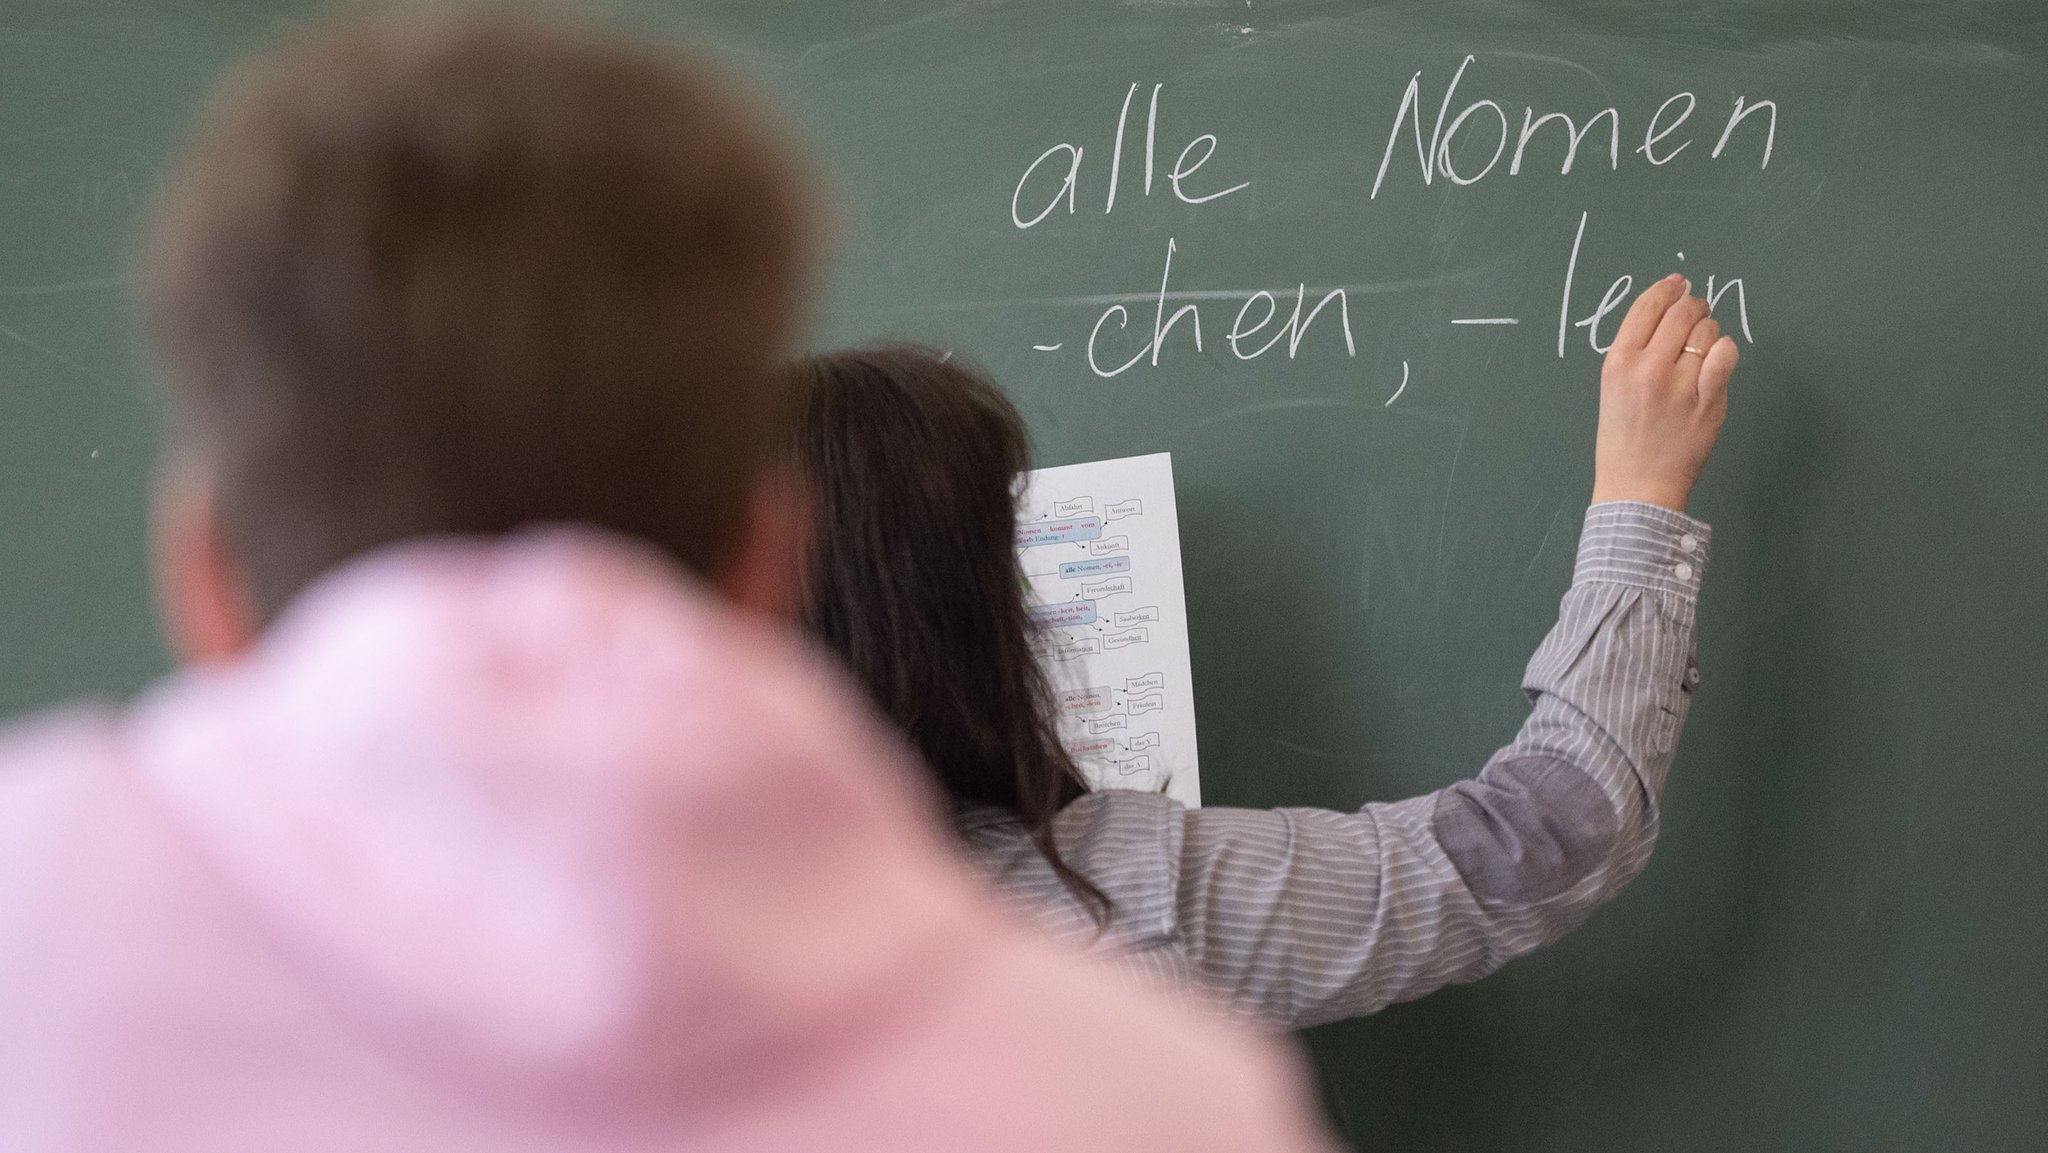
x,y
912,459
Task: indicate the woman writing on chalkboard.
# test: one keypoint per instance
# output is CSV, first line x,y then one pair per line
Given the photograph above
x,y
1295,915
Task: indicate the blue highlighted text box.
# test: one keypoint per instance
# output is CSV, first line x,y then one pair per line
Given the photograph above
x,y
1099,566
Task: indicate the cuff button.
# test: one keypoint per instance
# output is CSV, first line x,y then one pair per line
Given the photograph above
x,y
1689,542
1682,571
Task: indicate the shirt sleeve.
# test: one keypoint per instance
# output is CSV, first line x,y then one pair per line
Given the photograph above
x,y
1300,916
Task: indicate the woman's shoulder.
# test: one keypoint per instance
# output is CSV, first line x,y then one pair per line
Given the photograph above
x,y
1125,842
1128,844
1118,814
1095,814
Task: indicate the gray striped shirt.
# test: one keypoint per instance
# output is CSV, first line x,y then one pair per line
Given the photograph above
x,y
1297,916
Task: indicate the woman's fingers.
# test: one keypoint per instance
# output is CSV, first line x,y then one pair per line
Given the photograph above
x,y
1669,339
1715,369
1705,332
1644,314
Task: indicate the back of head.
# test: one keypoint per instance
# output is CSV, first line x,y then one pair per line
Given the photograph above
x,y
913,460
465,274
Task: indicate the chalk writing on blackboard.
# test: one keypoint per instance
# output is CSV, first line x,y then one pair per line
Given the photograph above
x,y
1434,159
1122,338
1067,159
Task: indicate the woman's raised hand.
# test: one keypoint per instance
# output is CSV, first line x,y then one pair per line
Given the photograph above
x,y
1663,396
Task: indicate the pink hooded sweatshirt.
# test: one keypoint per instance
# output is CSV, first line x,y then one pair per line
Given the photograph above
x,y
535,846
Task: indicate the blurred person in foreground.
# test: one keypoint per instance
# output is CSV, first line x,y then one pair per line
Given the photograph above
x,y
478,817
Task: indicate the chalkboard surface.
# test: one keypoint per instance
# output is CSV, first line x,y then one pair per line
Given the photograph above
x,y
1840,943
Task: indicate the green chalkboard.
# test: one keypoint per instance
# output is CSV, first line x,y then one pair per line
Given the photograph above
x,y
1840,943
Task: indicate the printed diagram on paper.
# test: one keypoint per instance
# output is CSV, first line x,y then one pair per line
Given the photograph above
x,y
1100,547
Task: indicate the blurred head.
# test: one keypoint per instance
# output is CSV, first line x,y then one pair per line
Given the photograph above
x,y
461,275
912,462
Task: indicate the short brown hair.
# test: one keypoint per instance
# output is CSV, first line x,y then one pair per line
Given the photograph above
x,y
464,274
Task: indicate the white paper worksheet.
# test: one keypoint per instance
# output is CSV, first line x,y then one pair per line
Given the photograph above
x,y
1100,547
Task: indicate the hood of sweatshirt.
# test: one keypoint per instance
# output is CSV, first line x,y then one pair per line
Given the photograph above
x,y
548,807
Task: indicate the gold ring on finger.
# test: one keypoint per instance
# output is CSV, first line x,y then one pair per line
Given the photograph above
x,y
1695,350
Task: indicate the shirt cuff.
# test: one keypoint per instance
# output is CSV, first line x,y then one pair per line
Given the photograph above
x,y
1645,545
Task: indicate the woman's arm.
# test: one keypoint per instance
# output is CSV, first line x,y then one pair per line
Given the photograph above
x,y
1308,915
1300,916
